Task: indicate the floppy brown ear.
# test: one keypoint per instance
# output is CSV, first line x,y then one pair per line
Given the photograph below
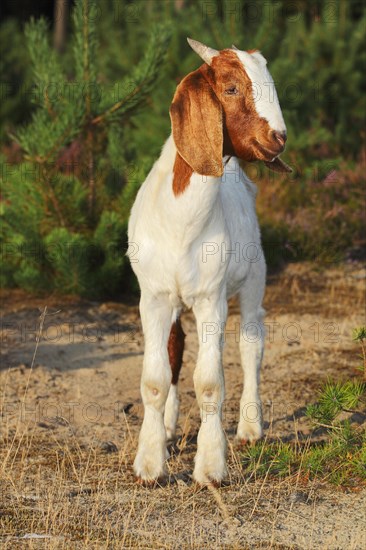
x,y
277,165
196,116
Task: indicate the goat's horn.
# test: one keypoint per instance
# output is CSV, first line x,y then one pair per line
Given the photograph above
x,y
234,47
203,51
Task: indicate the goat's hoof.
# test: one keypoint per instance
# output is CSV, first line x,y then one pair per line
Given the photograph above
x,y
147,468
248,434
214,478
152,483
170,433
216,483
245,442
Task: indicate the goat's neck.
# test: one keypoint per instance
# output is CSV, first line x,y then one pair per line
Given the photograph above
x,y
193,208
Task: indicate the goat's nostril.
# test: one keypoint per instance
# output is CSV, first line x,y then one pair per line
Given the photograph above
x,y
280,137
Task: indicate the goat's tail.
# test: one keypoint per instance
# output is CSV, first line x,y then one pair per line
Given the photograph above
x,y
175,349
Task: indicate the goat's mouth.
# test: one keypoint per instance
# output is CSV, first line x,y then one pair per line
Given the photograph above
x,y
268,154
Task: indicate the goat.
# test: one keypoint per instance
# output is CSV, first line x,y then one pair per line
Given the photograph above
x,y
195,206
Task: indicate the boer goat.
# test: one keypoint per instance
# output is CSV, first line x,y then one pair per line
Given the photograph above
x,y
195,209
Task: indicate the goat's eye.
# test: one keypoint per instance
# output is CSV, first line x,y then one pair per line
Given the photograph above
x,y
233,90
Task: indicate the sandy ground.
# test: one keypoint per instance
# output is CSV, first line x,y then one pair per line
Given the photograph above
x,y
83,390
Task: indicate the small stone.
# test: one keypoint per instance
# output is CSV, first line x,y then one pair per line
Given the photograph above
x,y
299,496
45,426
109,447
80,492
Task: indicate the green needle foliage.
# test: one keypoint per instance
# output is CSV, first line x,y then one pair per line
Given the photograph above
x,y
341,457
334,398
69,108
359,335
63,212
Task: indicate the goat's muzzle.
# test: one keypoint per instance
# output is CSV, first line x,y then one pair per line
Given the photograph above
x,y
279,138
269,152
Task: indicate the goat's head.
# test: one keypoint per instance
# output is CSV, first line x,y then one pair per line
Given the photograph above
x,y
228,106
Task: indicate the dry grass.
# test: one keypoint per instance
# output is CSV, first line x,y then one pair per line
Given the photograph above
x,y
59,482
82,497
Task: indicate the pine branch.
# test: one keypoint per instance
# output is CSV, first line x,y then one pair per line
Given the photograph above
x,y
46,66
85,47
46,177
91,175
60,112
351,411
119,105
29,200
142,80
42,139
115,137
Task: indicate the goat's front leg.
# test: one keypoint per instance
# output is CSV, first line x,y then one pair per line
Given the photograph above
x,y
156,314
210,461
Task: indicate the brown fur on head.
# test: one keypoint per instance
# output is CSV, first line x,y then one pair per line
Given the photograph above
x,y
213,114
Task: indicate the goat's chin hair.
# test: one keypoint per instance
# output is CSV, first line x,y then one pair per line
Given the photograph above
x,y
244,153
253,152
261,153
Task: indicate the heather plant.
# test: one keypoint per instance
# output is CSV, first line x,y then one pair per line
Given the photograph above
x,y
317,216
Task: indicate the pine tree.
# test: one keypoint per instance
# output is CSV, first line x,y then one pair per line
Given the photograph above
x,y
63,217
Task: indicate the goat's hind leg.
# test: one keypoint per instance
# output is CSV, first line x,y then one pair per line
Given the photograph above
x,y
175,352
156,315
251,351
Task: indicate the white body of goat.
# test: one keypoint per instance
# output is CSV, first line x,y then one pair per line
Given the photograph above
x,y
196,250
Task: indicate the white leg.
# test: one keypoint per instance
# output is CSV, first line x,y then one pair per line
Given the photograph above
x,y
210,460
251,350
171,411
175,352
156,313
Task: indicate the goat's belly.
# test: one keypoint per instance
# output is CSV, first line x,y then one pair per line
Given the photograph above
x,y
199,280
197,272
183,276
